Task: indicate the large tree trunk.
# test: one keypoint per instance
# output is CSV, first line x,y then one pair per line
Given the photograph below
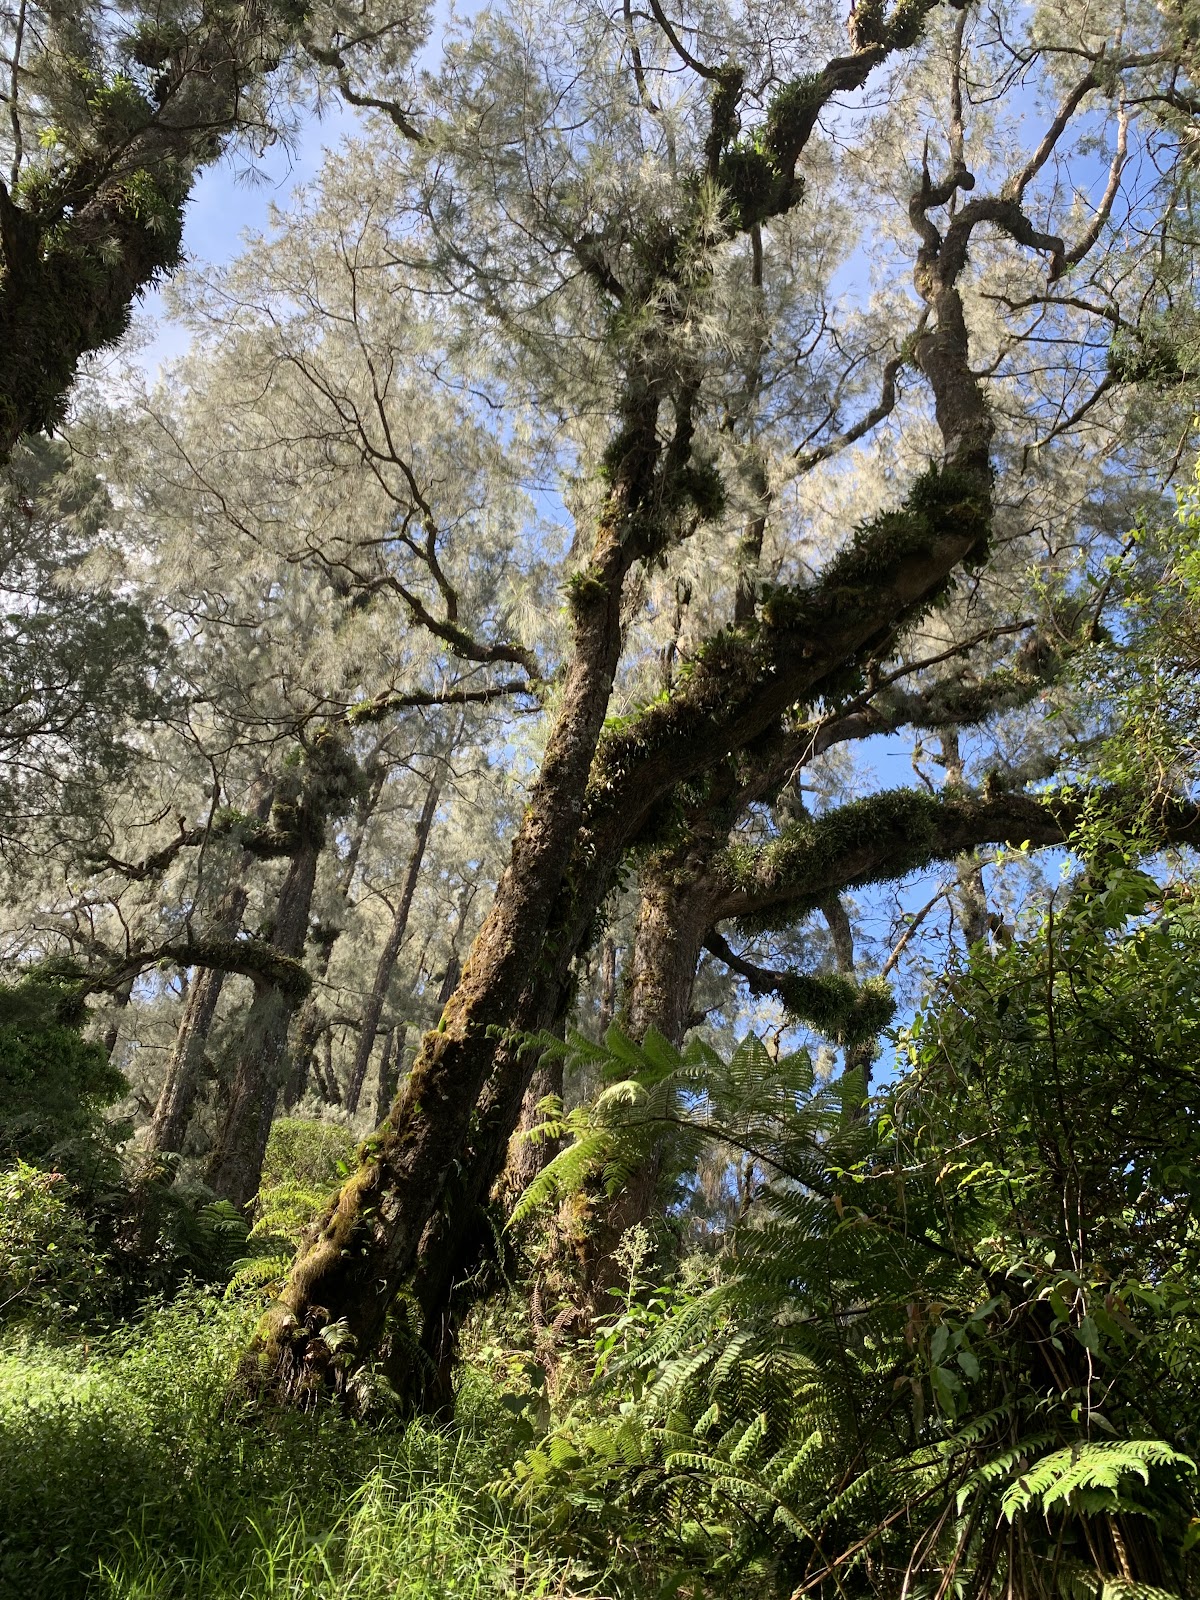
x,y
464,1092
673,918
235,1166
386,964
448,1278
353,1265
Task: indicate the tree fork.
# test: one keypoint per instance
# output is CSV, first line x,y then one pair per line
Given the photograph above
x,y
360,1251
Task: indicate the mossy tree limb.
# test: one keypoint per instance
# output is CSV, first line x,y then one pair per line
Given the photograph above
x,y
91,225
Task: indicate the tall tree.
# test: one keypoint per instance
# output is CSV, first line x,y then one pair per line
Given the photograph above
x,y
634,250
108,119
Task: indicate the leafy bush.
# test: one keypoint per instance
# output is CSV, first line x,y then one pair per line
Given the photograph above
x,y
49,1265
954,1348
54,1084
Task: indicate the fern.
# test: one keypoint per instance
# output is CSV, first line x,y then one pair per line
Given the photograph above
x,y
1063,1475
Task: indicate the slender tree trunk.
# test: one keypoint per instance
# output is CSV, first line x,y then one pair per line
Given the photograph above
x,y
120,999
608,985
235,1166
673,918
177,1097
312,1021
308,1033
386,964
393,1051
858,1057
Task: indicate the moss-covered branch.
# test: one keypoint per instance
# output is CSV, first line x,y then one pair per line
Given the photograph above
x,y
758,172
810,641
251,958
888,835
846,1012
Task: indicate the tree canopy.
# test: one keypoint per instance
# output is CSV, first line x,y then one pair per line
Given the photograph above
x,y
601,776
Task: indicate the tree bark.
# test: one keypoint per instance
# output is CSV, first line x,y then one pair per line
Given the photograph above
x,y
673,918
75,251
390,1058
312,1022
970,897
859,1057
177,1097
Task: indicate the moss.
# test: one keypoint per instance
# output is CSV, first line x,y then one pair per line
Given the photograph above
x,y
791,116
897,831
254,958
908,23
943,501
723,127
942,504
120,108
849,1013
152,43
869,23
585,589
1148,359
700,487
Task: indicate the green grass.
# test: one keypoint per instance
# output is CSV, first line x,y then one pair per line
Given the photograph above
x,y
125,1475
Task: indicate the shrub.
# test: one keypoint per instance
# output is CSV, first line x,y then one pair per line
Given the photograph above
x,y
49,1265
54,1084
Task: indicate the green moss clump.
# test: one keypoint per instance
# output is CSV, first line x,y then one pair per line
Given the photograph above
x,y
792,115
894,832
943,502
849,1013
724,126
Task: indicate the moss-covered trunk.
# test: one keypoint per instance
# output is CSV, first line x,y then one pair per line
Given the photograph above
x,y
673,918
103,224
353,1264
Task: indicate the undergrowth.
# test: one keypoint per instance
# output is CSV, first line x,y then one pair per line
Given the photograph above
x,y
127,1474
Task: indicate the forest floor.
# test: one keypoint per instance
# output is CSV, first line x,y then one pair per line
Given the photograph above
x,y
125,1473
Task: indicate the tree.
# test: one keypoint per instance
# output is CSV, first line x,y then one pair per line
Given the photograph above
x,y
108,121
79,667
591,213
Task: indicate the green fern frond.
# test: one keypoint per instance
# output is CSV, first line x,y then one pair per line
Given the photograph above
x,y
1059,1476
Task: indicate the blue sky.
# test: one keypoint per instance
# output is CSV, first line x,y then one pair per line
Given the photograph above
x,y
231,200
